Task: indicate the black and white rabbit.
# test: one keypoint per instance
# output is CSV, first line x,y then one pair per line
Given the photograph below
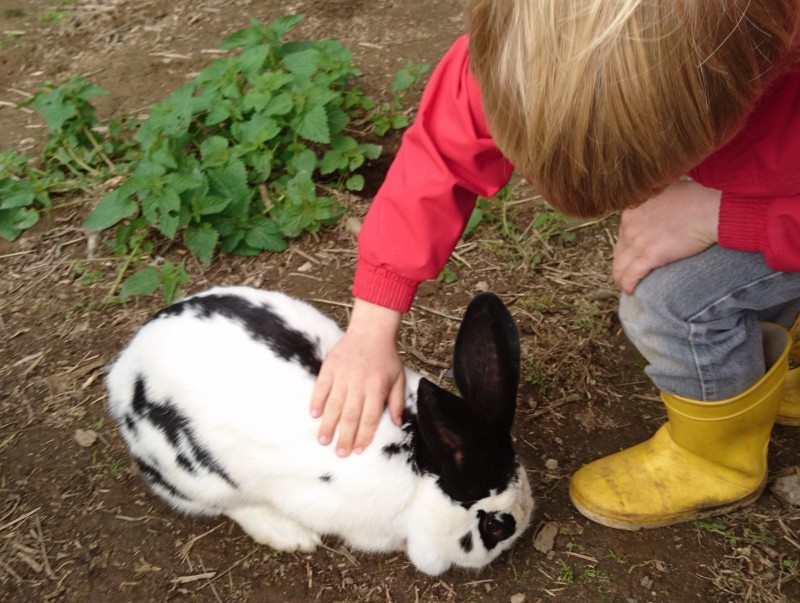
x,y
212,395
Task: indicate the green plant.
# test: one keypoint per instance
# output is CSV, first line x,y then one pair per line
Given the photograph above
x,y
620,558
244,156
566,574
715,527
389,115
22,195
247,155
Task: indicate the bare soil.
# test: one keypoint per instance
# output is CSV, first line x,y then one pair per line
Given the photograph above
x,y
77,522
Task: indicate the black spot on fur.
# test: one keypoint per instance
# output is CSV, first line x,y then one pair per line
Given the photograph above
x,y
326,478
466,542
184,462
494,528
153,477
261,323
129,423
176,429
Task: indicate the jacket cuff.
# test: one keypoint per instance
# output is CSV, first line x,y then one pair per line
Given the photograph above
x,y
380,286
742,223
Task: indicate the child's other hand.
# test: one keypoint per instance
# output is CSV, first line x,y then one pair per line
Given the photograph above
x,y
680,222
359,377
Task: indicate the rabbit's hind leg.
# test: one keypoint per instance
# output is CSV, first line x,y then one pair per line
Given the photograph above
x,y
268,526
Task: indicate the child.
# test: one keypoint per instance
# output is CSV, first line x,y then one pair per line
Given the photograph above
x,y
604,106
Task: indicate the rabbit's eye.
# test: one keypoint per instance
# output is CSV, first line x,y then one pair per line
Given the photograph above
x,y
495,527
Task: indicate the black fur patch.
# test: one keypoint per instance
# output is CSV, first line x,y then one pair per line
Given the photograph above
x,y
466,542
175,427
153,477
494,528
261,323
326,478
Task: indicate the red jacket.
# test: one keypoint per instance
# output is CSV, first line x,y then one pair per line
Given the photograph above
x,y
447,158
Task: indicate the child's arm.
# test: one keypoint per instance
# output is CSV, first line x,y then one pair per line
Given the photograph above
x,y
447,158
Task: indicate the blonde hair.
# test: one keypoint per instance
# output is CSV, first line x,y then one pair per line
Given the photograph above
x,y
600,104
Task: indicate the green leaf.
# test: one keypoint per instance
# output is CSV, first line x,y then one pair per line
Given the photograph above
x,y
15,193
112,208
230,182
265,235
252,60
371,151
208,205
355,183
313,126
332,161
303,64
142,282
201,241
214,151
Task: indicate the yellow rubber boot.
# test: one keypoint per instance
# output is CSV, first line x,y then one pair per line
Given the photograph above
x,y
789,412
709,458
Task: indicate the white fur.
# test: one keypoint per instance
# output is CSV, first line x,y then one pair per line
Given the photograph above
x,y
249,407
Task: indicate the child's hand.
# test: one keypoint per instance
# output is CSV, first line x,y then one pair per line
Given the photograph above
x,y
361,374
680,222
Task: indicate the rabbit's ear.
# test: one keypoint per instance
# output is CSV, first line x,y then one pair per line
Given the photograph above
x,y
470,455
486,359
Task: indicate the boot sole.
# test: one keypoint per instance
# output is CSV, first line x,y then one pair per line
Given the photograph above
x,y
633,527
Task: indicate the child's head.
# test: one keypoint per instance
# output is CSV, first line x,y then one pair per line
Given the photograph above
x,y
600,104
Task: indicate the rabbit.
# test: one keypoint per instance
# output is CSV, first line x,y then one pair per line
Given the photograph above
x,y
211,396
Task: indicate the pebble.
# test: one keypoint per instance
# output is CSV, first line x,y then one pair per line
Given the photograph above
x,y
518,598
551,464
787,489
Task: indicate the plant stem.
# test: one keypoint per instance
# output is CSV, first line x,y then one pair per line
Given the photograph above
x,y
123,269
99,150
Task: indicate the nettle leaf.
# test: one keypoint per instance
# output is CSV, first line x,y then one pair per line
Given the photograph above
x,y
371,151
304,63
214,151
112,208
355,183
142,282
208,205
281,104
265,235
303,162
313,126
252,60
16,193
332,161
179,111
255,132
261,161
230,182
201,241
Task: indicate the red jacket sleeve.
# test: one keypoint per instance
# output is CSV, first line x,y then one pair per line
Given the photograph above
x,y
758,172
446,159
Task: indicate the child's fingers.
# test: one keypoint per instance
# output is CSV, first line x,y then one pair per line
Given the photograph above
x,y
331,412
397,400
349,420
370,417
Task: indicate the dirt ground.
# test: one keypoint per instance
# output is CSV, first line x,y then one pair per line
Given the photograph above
x,y
77,522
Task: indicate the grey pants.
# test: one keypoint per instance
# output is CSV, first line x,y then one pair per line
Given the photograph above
x,y
696,321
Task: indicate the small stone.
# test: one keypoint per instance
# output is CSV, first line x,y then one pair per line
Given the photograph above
x,y
787,489
85,437
647,582
545,539
518,598
551,464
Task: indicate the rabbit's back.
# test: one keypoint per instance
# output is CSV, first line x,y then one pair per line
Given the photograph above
x,y
212,394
